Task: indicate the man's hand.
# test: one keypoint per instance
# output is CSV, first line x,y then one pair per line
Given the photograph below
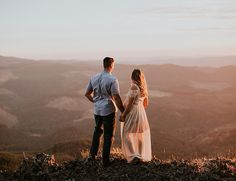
x,y
122,118
88,94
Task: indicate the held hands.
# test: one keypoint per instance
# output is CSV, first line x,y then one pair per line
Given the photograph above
x,y
122,118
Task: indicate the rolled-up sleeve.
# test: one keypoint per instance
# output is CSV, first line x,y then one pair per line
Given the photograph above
x,y
115,87
89,86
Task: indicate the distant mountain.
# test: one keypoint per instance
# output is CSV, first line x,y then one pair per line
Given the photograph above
x,y
6,62
218,140
15,140
70,148
42,104
200,61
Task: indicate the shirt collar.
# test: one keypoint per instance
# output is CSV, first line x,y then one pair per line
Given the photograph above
x,y
106,72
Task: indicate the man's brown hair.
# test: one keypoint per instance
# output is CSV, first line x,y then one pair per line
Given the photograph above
x,y
107,61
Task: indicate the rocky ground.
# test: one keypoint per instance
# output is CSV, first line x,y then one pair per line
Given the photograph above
x,y
43,167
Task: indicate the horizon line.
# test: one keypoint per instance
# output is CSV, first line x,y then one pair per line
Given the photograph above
x,y
176,60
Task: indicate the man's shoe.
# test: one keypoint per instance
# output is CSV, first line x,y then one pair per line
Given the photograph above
x,y
90,158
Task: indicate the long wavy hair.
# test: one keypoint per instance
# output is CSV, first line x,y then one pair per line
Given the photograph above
x,y
139,79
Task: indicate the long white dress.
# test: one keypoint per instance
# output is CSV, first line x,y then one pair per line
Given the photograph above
x,y
135,131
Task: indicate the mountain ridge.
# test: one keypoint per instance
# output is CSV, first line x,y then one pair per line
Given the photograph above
x,y
47,100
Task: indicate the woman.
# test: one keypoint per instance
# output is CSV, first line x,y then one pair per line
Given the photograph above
x,y
135,131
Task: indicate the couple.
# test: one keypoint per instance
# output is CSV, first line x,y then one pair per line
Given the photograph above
x,y
103,91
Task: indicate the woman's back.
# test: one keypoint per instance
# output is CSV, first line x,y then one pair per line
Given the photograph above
x,y
136,141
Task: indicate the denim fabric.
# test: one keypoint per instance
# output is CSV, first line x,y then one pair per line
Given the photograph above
x,y
103,125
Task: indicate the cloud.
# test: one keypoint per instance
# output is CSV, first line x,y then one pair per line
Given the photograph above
x,y
188,11
202,16
210,28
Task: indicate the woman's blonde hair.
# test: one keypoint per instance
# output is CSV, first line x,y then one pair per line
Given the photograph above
x,y
139,79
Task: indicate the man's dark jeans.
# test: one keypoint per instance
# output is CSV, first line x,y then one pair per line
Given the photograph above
x,y
105,125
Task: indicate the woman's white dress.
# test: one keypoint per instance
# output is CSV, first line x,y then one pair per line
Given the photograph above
x,y
135,131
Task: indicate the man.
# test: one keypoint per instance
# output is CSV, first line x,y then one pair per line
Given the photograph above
x,y
103,91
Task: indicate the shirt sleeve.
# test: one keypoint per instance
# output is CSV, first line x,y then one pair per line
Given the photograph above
x,y
89,86
115,87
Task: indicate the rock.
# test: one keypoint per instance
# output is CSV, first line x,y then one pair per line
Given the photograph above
x,y
44,167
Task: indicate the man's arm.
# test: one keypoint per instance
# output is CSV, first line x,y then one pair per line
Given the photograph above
x,y
118,102
88,94
116,95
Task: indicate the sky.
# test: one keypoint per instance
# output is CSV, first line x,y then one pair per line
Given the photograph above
x,y
128,30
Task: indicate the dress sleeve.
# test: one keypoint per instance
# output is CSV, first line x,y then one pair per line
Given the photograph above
x,y
133,93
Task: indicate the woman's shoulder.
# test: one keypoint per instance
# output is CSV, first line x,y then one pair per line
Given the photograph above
x,y
134,87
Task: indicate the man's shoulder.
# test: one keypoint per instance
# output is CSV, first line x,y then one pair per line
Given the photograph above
x,y
95,76
113,77
110,77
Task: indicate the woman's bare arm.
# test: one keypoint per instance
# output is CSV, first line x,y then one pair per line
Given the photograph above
x,y
129,104
145,102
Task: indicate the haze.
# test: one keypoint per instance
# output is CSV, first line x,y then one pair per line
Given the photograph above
x,y
185,33
42,105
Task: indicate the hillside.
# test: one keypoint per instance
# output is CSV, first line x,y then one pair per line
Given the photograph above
x,y
44,167
42,104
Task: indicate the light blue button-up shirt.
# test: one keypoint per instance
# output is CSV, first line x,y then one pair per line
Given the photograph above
x,y
104,85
